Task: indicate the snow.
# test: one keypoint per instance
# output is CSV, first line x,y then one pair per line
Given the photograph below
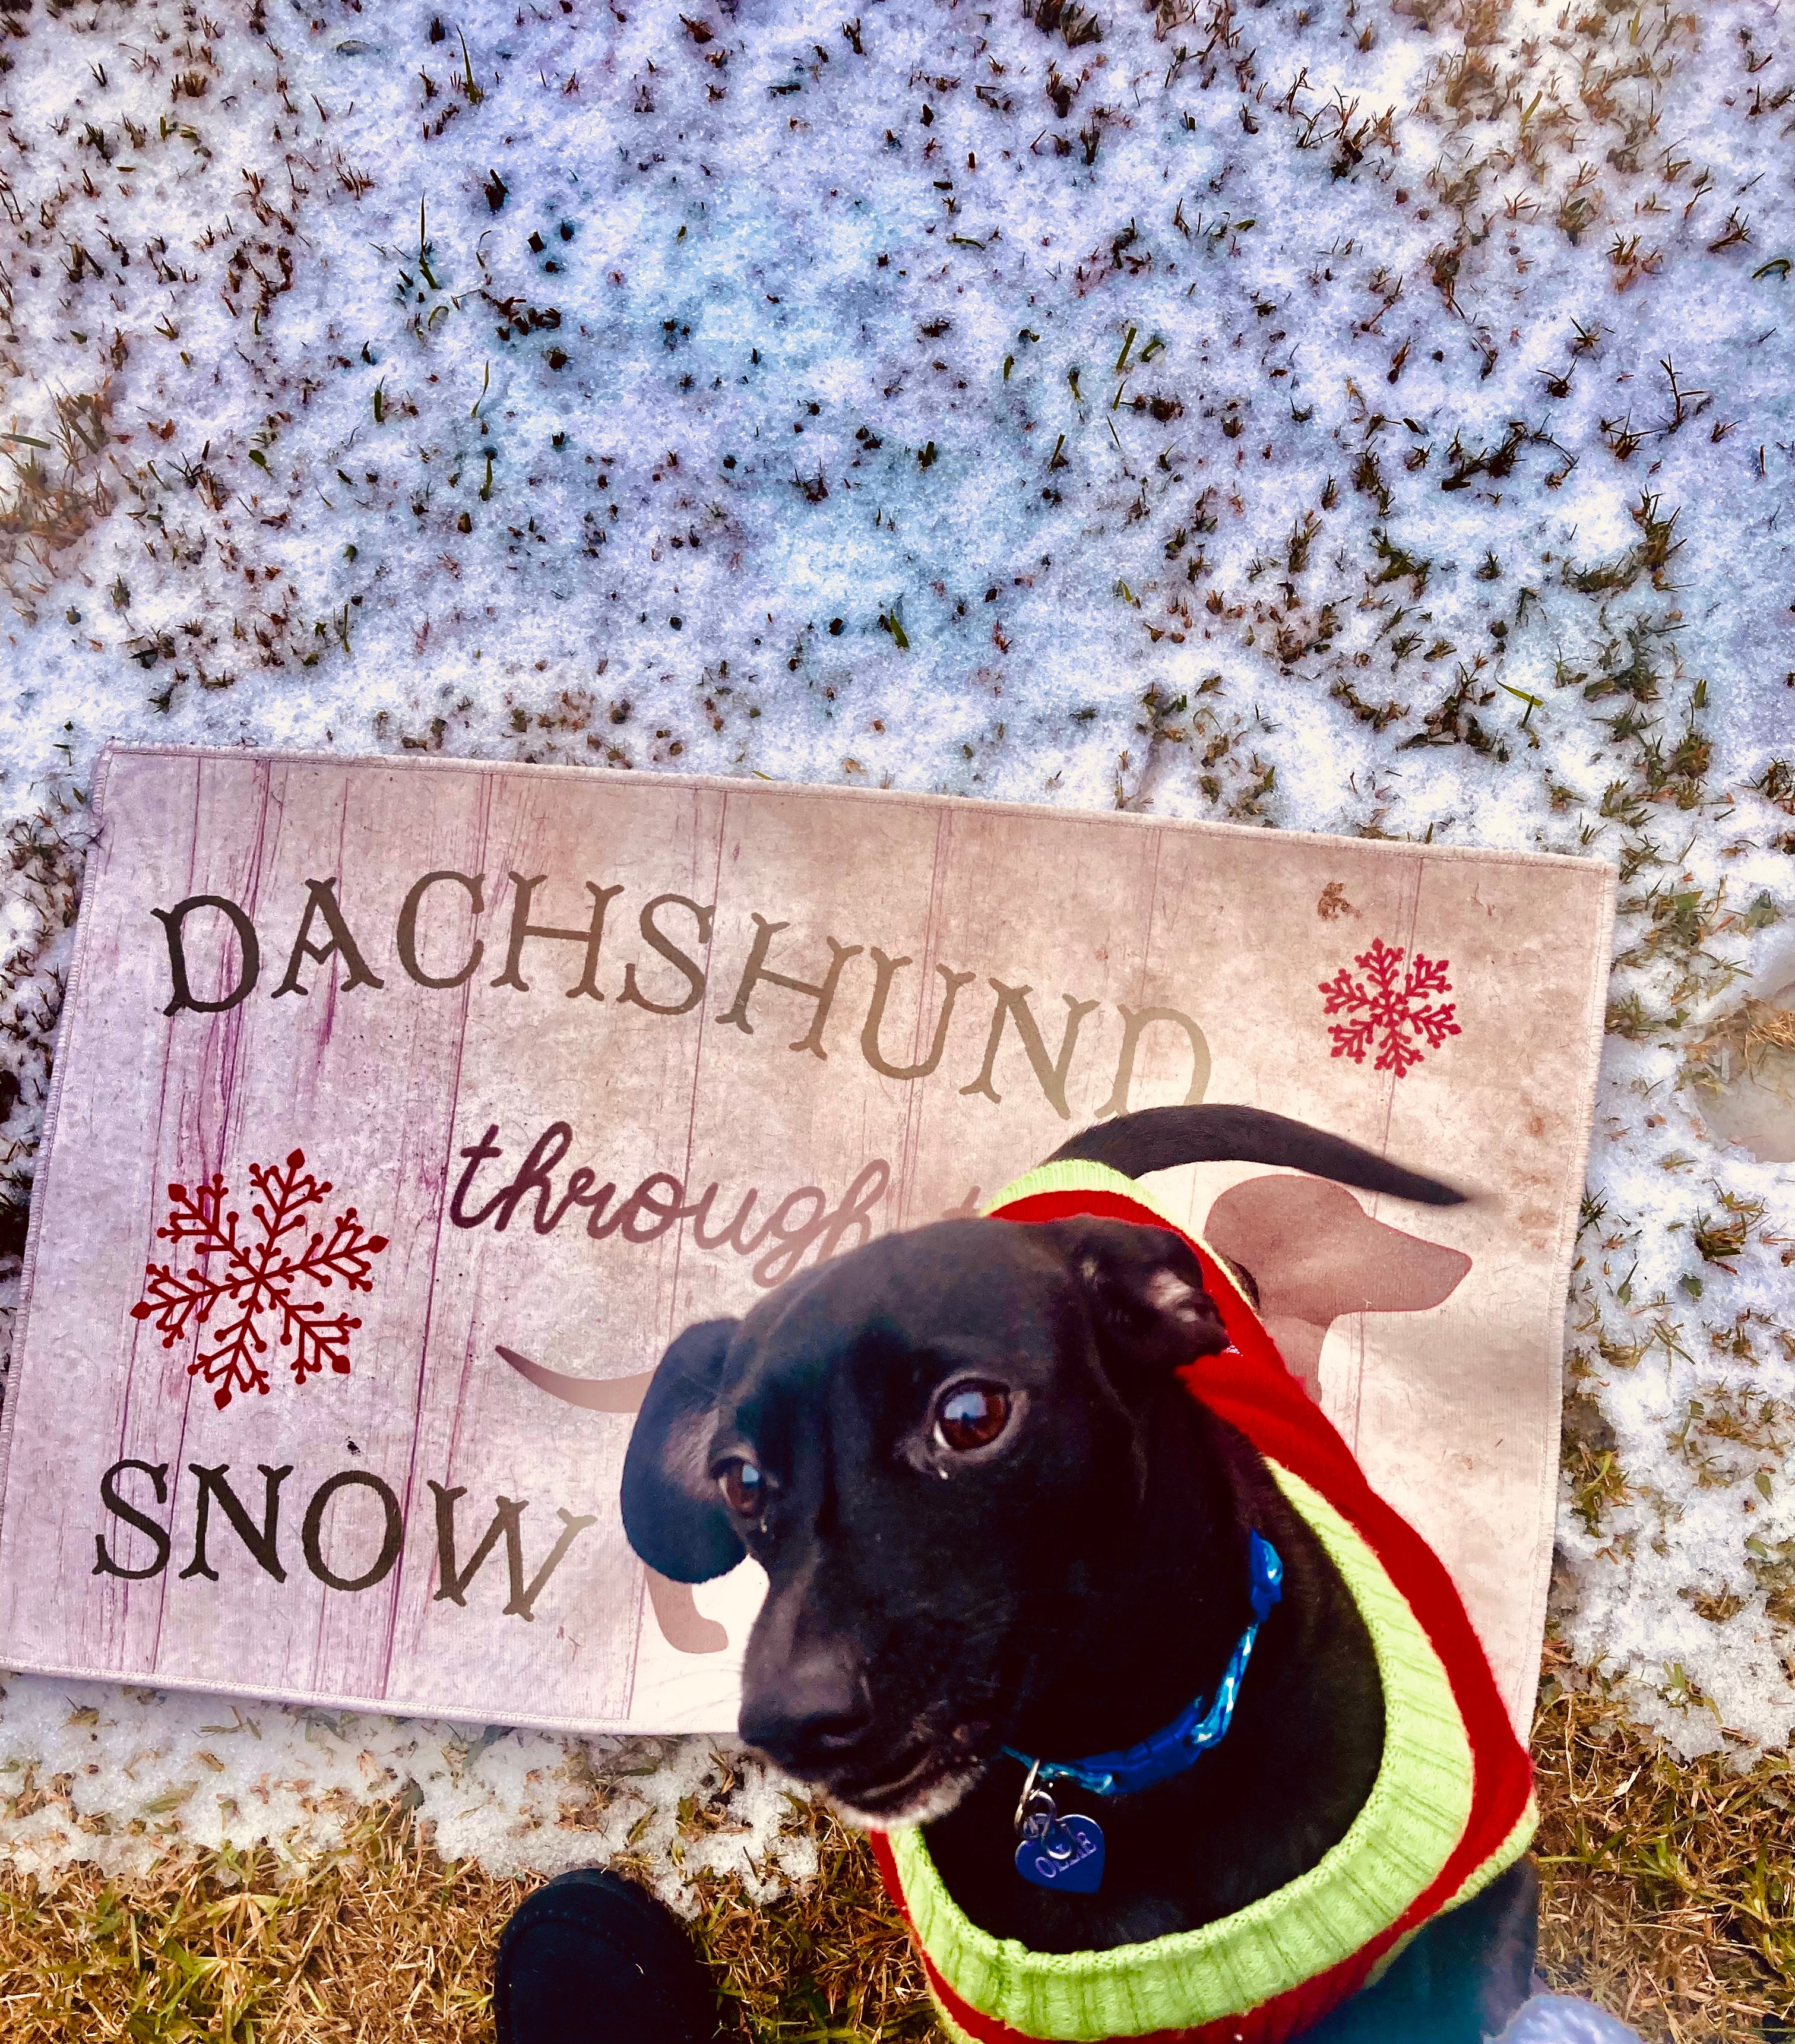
x,y
118,1777
1338,417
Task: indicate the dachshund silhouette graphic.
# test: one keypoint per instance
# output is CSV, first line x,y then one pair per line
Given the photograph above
x,y
1314,1255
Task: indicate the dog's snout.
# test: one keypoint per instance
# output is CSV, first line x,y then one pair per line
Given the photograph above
x,y
812,1711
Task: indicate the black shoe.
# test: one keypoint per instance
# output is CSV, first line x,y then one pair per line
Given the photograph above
x,y
593,1959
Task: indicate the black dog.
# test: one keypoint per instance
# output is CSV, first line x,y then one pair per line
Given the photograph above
x,y
991,1516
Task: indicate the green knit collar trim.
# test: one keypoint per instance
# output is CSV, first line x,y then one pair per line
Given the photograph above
x,y
1395,1849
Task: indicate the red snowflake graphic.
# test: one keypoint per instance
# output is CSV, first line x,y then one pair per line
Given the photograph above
x,y
242,1280
1383,1007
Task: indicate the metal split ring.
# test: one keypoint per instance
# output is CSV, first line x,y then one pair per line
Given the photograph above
x,y
1036,1812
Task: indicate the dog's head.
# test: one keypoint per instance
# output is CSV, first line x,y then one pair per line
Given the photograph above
x,y
931,1444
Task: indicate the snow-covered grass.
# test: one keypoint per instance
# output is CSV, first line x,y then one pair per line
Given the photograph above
x,y
206,1774
1357,416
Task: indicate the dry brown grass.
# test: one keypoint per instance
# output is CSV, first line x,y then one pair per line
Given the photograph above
x,y
1669,1896
383,1942
834,1962
1669,1890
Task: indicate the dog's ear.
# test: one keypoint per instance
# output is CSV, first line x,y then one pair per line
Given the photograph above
x,y
672,1511
1145,1291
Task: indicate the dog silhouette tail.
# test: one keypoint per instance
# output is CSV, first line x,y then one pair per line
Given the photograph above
x,y
1157,1138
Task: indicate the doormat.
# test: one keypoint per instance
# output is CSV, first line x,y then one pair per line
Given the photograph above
x,y
404,1111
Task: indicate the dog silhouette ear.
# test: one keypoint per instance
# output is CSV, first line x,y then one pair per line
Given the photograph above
x,y
1144,1288
673,1513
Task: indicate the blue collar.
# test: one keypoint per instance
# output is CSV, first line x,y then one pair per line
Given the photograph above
x,y
1193,1731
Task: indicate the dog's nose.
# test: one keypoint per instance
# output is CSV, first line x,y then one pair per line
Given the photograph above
x,y
811,1711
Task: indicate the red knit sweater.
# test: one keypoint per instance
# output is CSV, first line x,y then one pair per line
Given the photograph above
x,y
1249,1386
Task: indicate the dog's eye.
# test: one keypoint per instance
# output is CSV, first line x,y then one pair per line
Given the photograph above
x,y
742,1486
971,1415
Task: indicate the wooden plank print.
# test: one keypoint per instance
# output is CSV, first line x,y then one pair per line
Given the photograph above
x,y
395,1101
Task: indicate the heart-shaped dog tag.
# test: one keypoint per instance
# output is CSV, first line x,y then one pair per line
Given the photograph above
x,y
1067,1855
